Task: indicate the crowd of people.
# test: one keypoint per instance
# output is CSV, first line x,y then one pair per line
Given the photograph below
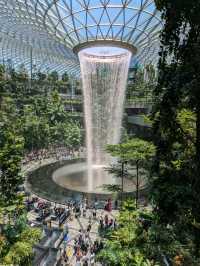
x,y
106,223
82,248
58,153
73,208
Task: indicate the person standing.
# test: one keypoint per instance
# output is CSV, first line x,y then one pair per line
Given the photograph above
x,y
116,204
106,220
94,214
92,259
101,223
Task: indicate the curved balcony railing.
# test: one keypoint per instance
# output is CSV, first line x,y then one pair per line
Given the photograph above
x,y
130,102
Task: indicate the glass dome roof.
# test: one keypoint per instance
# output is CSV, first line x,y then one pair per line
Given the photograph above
x,y
50,29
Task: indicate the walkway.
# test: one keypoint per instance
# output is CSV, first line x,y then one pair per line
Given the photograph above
x,y
76,226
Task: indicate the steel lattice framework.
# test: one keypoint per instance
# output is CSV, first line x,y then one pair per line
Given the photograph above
x,y
48,30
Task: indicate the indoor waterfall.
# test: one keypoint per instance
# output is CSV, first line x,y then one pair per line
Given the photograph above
x,y
104,73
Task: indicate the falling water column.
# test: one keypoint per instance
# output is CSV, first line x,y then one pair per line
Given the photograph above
x,y
104,76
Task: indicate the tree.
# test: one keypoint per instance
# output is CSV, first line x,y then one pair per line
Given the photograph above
x,y
176,189
141,240
135,152
2,72
40,76
124,246
36,130
53,76
65,77
22,74
11,152
132,150
141,89
21,252
45,122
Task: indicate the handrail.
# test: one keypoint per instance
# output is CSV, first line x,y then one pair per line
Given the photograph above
x,y
43,255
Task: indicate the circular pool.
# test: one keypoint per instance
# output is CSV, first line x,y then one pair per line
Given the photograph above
x,y
74,177
61,181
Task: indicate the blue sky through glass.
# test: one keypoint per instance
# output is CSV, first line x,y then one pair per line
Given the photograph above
x,y
53,28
